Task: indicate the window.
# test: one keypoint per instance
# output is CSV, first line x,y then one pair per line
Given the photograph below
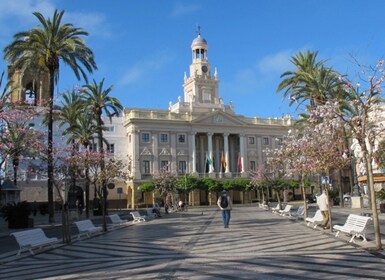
x,y
146,167
265,140
252,165
164,165
163,138
251,140
182,138
182,167
92,147
111,148
110,128
146,137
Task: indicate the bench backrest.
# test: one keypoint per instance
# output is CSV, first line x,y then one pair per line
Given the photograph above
x,y
115,218
287,208
84,225
300,211
135,214
357,221
29,237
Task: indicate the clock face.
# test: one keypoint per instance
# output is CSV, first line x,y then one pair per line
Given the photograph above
x,y
204,68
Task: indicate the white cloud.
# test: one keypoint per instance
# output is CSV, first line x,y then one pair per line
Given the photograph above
x,y
147,66
275,63
181,10
19,14
94,23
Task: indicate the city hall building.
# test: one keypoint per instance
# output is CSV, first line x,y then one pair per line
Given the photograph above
x,y
182,138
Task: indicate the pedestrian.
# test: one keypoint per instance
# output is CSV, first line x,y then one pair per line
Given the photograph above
x,y
224,203
323,204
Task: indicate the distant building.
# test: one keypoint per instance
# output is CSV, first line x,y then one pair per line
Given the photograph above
x,y
197,129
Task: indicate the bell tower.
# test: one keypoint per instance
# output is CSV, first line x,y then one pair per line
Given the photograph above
x,y
29,87
201,87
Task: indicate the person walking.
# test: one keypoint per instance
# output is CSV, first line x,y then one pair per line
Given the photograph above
x,y
323,204
224,203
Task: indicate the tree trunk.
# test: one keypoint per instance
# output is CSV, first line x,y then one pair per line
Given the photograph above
x,y
50,167
370,181
304,197
87,192
65,224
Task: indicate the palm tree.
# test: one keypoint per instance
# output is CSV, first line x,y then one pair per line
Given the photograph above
x,y
41,49
98,103
311,81
82,133
71,107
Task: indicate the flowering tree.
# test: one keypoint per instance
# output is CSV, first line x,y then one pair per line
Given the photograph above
x,y
313,149
362,117
113,169
62,167
165,182
258,180
18,139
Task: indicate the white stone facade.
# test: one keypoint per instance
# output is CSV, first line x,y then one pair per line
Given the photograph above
x,y
182,137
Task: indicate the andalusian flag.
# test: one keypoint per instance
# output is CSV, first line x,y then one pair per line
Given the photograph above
x,y
209,162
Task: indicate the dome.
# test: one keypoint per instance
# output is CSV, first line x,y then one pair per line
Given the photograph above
x,y
199,42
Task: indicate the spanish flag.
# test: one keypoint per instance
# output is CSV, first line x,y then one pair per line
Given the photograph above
x,y
223,162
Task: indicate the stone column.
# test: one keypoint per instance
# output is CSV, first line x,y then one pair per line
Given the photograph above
x,y
210,150
155,162
202,155
135,154
242,151
192,153
226,148
173,162
217,166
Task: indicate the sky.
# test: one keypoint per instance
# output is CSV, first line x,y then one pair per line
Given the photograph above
x,y
143,47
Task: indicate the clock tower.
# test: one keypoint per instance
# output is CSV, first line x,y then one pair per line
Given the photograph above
x,y
201,87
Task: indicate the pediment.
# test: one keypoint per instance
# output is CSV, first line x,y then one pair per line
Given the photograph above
x,y
164,152
182,153
146,152
218,118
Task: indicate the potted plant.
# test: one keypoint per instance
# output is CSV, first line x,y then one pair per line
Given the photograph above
x,y
17,214
381,196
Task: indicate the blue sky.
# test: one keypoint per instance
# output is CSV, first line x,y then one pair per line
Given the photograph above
x,y
142,48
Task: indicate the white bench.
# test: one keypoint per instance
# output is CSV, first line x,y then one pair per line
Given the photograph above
x,y
286,211
137,217
299,213
116,220
275,209
32,239
316,220
263,206
355,225
87,227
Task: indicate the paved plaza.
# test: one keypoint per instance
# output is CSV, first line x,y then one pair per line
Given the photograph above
x,y
194,245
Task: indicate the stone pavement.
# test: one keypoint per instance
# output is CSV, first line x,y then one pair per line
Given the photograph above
x,y
194,245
